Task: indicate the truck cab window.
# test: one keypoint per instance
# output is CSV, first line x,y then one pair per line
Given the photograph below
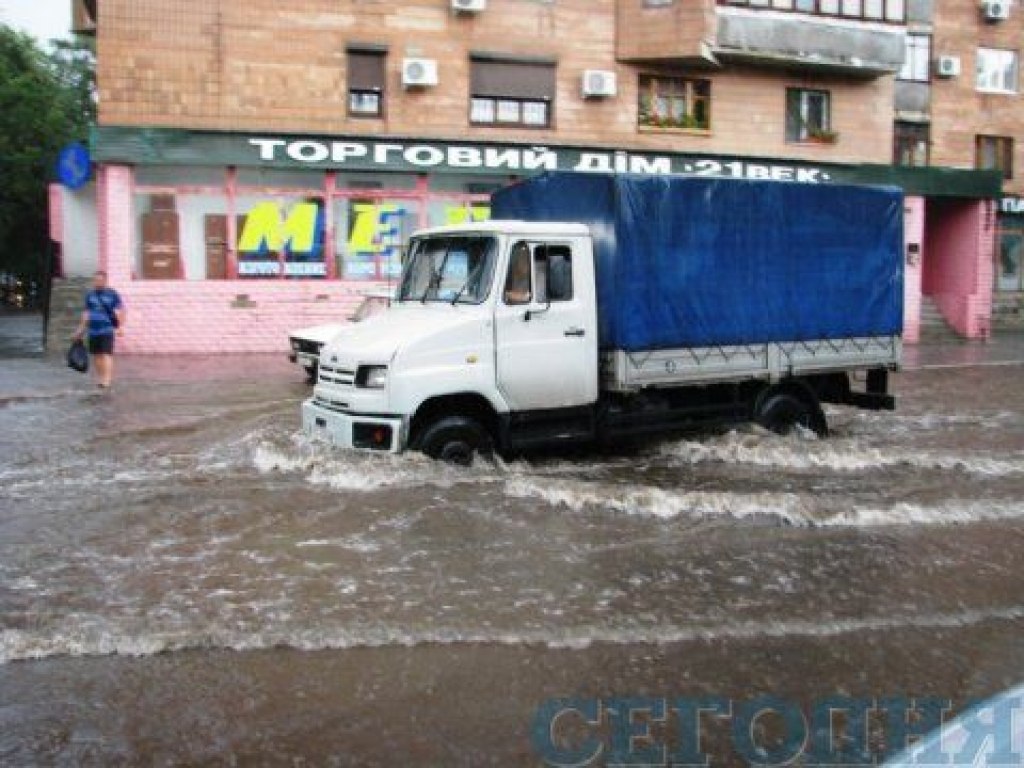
x,y
554,262
450,269
518,288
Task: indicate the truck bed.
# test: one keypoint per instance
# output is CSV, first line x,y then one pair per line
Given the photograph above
x,y
718,264
623,371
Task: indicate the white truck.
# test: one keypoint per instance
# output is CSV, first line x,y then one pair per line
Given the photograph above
x,y
624,306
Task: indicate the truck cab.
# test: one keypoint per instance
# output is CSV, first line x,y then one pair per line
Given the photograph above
x,y
491,321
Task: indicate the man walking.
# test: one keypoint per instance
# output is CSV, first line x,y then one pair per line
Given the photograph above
x,y
102,319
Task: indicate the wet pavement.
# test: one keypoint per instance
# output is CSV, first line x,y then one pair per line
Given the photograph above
x,y
184,578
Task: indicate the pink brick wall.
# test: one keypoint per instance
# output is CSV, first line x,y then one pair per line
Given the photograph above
x,y
214,316
56,207
960,242
168,316
913,234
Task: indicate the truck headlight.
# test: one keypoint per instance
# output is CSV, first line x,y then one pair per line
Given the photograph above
x,y
372,376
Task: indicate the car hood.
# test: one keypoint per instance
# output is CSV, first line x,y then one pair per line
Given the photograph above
x,y
320,334
378,338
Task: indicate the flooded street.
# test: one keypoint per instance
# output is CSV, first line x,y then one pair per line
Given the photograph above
x,y
184,578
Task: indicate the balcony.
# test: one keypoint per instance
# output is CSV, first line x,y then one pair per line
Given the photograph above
x,y
807,37
859,38
665,33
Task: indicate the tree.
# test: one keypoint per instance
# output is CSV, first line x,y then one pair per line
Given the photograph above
x,y
46,100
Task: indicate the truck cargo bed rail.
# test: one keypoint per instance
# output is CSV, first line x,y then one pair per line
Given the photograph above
x,y
624,371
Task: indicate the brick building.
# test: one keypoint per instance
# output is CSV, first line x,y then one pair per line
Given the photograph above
x,y
260,164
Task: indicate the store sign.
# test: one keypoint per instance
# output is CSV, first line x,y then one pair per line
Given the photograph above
x,y
169,146
275,239
464,158
1011,205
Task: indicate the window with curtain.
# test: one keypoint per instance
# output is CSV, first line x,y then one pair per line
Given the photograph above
x,y
674,102
367,77
994,153
808,115
910,144
996,70
509,92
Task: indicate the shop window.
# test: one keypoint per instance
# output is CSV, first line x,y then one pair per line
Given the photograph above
x,y
996,70
366,80
511,93
917,56
281,237
1009,275
910,144
674,102
995,153
372,234
808,115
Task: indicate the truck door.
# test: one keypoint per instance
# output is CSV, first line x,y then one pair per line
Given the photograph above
x,y
546,327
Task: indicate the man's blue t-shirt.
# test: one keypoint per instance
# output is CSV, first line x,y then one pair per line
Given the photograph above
x,y
97,304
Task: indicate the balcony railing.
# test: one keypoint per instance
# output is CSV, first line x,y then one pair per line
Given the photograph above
x,y
880,11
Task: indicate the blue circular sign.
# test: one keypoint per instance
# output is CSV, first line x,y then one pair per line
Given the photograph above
x,y
74,166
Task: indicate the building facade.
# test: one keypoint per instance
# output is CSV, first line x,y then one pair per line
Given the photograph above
x,y
972,105
260,165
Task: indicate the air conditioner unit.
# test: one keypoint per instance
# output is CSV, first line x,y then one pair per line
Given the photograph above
x,y
995,10
469,6
948,66
419,73
598,82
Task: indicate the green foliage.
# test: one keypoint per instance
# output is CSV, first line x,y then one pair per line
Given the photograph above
x,y
46,100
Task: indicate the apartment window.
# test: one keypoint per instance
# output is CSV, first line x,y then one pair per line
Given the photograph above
x,y
997,70
504,92
366,79
808,115
890,11
674,102
917,55
995,153
910,144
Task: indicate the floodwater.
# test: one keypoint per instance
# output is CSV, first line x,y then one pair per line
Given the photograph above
x,y
185,578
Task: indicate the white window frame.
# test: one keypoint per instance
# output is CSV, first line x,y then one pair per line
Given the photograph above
x,y
997,70
917,56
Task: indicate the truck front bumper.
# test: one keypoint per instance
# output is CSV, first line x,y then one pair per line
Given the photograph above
x,y
352,430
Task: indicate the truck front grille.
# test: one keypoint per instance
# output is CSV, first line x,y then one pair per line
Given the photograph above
x,y
330,403
342,377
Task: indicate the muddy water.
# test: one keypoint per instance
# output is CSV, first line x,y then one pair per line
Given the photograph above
x,y
184,577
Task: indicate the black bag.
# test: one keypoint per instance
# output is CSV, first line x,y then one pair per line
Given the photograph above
x,y
78,356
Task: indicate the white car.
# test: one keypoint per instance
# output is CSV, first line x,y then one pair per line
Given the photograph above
x,y
306,343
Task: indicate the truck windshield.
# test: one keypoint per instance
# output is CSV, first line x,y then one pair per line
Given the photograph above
x,y
452,269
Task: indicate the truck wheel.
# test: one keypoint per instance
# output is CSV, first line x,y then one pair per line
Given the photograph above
x,y
311,374
781,412
456,440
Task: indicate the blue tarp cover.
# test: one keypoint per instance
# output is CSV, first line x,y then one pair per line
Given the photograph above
x,y
686,261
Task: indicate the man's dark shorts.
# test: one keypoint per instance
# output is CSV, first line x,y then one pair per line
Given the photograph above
x,y
101,345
